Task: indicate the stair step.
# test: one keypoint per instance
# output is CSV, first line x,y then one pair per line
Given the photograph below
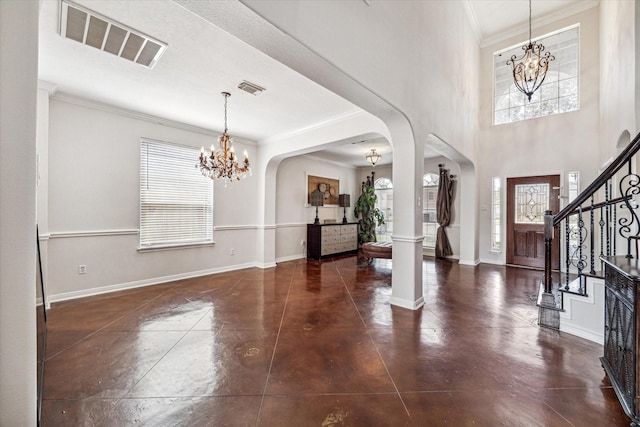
x,y
577,286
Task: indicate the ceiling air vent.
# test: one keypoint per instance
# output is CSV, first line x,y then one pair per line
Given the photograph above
x,y
251,88
90,28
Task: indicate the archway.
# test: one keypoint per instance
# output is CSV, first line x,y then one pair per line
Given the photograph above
x,y
466,190
269,37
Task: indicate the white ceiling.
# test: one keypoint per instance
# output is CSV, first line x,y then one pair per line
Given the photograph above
x,y
202,61
185,85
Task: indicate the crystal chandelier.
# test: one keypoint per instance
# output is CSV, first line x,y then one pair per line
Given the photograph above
x,y
222,163
373,157
531,68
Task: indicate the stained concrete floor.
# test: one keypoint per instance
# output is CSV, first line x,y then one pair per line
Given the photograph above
x,y
318,344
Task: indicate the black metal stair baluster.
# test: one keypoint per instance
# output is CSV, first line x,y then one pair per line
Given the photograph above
x,y
580,262
602,224
608,216
623,193
614,225
592,256
557,232
567,232
629,223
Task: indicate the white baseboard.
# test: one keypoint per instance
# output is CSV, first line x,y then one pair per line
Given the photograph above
x,y
491,261
582,333
467,262
145,282
290,258
411,305
264,265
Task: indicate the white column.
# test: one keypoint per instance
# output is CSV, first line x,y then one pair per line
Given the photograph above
x,y
18,105
468,194
408,160
266,233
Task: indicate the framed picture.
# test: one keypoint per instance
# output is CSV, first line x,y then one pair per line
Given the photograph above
x,y
329,187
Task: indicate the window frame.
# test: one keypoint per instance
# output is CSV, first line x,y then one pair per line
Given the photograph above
x,y
496,215
573,191
386,185
431,183
536,103
165,195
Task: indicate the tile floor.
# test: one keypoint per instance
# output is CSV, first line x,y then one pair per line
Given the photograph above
x,y
317,344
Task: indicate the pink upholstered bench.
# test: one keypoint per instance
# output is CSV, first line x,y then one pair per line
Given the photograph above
x,y
376,250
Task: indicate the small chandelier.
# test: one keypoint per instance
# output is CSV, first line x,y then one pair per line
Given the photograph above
x,y
373,157
531,68
222,163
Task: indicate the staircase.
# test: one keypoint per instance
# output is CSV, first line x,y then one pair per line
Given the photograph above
x,y
601,221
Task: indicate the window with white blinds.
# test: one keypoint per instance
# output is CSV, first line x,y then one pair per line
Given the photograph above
x,y
176,201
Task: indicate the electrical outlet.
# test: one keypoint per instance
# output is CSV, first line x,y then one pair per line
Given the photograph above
x,y
232,252
82,269
301,242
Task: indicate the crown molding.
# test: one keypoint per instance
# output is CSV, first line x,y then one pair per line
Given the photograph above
x,y
576,8
334,162
473,20
319,125
108,108
52,88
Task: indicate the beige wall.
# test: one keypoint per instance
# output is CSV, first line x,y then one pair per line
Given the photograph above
x,y
93,204
403,78
18,106
292,215
618,75
93,211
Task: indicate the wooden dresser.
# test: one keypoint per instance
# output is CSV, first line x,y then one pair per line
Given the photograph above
x,y
329,239
621,331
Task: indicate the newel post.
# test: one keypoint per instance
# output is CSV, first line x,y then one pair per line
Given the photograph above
x,y
548,314
548,240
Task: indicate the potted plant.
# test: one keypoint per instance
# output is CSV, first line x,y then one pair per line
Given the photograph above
x,y
369,216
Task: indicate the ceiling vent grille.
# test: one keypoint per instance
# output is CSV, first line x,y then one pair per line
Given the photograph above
x,y
90,28
251,88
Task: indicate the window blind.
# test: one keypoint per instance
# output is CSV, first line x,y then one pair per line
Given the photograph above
x,y
176,201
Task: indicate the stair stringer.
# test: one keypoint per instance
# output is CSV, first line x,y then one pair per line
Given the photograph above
x,y
583,316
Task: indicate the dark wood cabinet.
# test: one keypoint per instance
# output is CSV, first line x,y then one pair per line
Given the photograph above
x,y
329,239
621,329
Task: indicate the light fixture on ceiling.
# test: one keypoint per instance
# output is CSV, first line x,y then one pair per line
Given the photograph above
x,y
222,163
373,157
531,68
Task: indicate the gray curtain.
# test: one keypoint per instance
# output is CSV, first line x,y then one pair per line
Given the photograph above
x,y
443,209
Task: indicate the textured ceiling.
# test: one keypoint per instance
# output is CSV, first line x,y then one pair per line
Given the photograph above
x,y
202,61
185,85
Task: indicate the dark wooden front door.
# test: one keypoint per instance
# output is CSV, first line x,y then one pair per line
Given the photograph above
x,y
527,200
